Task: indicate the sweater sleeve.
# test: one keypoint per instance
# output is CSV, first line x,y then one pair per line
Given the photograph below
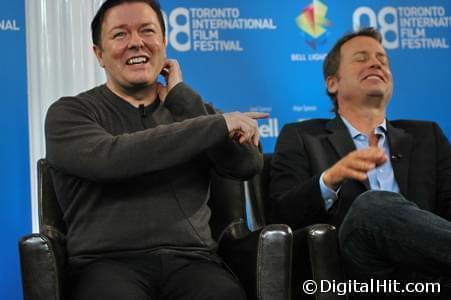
x,y
235,160
184,103
77,144
229,158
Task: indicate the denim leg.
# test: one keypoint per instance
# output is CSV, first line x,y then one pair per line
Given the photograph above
x,y
383,232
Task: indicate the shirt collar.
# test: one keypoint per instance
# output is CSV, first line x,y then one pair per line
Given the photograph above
x,y
380,129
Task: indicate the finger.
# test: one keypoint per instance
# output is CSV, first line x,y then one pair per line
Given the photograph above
x,y
173,65
242,139
382,160
256,115
256,135
361,166
377,155
363,162
238,136
233,134
360,176
256,138
174,73
169,63
247,132
165,72
370,153
356,165
251,124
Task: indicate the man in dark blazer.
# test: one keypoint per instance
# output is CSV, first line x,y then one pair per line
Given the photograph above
x,y
385,184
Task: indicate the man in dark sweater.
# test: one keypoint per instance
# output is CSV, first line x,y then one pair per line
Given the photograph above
x,y
131,161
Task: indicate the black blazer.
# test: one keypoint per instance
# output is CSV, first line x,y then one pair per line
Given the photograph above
x,y
420,154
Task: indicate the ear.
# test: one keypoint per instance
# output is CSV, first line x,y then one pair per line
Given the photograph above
x,y
99,54
165,43
332,84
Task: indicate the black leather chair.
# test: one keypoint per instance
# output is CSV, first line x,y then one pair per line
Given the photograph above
x,y
261,259
315,254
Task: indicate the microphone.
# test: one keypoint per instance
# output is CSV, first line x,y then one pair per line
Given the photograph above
x,y
396,157
142,110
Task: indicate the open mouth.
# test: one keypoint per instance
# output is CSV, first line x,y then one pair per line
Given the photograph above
x,y
374,76
137,60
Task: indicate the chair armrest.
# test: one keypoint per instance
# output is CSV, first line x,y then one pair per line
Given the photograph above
x,y
42,261
322,240
261,260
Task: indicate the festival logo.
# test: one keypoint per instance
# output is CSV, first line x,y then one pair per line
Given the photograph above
x,y
207,29
407,27
313,22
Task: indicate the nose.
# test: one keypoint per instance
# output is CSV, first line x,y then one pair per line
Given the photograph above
x,y
375,62
135,41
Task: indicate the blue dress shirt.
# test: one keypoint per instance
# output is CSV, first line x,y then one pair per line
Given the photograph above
x,y
380,178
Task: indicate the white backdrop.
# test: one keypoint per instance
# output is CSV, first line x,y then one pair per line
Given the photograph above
x,y
60,63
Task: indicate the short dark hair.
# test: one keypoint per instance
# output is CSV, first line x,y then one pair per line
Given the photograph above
x,y
332,61
96,24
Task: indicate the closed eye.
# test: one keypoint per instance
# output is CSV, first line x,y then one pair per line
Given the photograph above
x,y
119,34
383,59
361,57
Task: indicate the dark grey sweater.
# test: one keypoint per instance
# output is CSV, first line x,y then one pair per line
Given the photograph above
x,y
135,180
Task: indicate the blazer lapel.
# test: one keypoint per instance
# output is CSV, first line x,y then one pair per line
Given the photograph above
x,y
401,144
341,140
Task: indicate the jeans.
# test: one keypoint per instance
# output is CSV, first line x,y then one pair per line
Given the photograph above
x,y
385,236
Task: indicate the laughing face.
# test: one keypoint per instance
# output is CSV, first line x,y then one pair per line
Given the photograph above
x,y
364,75
132,46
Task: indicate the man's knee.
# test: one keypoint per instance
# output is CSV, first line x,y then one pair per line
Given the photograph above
x,y
372,202
373,210
371,213
204,280
107,280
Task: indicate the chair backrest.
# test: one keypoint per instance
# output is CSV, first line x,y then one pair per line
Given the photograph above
x,y
227,204
258,188
50,216
43,255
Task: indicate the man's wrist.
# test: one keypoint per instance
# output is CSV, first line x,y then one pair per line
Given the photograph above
x,y
329,196
326,180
